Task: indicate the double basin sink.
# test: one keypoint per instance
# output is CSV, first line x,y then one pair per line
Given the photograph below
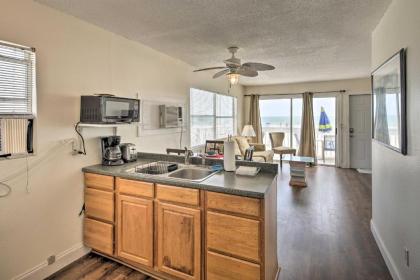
x,y
174,171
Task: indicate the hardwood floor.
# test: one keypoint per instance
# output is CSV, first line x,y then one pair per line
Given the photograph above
x,y
92,267
324,229
323,232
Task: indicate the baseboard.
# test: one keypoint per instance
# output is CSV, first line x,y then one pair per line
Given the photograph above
x,y
62,259
385,254
364,170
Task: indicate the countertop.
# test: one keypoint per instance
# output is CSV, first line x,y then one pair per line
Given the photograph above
x,y
224,182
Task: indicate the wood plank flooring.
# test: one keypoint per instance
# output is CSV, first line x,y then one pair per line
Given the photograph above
x,y
92,267
323,233
324,229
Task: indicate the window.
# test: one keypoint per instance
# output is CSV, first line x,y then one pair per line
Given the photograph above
x,y
213,116
17,98
282,115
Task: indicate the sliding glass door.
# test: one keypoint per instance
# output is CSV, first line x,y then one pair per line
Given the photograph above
x,y
325,129
281,115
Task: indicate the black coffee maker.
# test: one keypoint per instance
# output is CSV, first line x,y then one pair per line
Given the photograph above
x,y
111,152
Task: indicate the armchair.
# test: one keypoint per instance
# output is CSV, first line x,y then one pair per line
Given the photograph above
x,y
260,152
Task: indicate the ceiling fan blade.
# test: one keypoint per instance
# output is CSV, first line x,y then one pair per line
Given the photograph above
x,y
210,68
221,73
259,66
247,72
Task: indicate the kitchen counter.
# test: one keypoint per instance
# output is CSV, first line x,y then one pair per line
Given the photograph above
x,y
223,182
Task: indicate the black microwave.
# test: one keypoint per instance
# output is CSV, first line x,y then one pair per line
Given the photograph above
x,y
109,109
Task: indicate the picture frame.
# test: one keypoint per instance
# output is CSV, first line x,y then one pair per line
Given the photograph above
x,y
389,103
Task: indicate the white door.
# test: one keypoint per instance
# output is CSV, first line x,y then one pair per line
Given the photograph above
x,y
360,131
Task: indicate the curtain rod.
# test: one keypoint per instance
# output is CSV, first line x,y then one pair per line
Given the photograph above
x,y
274,94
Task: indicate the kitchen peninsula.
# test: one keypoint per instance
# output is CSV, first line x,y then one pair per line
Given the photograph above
x,y
222,227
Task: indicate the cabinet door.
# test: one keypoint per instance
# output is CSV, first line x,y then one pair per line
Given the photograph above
x,y
135,229
179,242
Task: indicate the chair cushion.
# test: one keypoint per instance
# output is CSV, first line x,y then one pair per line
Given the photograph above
x,y
266,155
284,150
242,143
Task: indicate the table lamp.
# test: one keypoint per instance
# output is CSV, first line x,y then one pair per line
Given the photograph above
x,y
248,131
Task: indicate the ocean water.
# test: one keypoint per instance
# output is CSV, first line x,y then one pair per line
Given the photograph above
x,y
279,121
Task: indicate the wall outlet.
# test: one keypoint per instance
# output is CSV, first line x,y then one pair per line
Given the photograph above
x,y
407,257
51,259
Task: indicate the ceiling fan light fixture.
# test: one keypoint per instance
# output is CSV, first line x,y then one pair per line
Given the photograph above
x,y
233,78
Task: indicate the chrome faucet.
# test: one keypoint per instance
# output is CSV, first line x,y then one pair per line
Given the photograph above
x,y
188,154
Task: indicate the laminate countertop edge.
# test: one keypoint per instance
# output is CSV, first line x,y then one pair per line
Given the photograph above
x,y
222,182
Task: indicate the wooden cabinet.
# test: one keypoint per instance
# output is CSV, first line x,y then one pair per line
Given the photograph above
x,y
99,181
175,233
99,204
98,232
236,236
134,188
220,267
177,194
98,235
135,229
179,240
241,237
233,204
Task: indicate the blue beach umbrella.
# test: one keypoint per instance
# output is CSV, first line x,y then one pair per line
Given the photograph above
x,y
324,122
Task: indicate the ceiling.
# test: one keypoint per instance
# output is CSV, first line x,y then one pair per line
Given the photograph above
x,y
306,40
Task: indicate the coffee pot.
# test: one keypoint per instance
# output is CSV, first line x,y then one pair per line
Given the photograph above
x,y
111,151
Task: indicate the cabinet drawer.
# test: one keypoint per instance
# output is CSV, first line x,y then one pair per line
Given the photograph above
x,y
233,203
233,235
99,204
220,267
177,194
99,181
98,235
136,188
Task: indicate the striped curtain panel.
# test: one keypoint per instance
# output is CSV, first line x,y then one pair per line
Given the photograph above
x,y
13,134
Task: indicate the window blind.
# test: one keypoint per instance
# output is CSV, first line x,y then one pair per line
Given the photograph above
x,y
17,81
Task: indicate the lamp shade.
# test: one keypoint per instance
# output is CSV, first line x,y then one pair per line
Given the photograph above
x,y
248,131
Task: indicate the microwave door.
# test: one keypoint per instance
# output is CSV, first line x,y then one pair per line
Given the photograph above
x,y
118,111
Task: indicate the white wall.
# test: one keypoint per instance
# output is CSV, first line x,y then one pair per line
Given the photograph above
x,y
75,58
396,186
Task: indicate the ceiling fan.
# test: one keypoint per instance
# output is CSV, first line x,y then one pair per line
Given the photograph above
x,y
234,68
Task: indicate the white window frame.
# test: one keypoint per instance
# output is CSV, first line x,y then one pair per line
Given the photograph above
x,y
214,115
31,114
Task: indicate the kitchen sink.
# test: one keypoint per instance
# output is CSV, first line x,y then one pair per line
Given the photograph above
x,y
174,171
192,174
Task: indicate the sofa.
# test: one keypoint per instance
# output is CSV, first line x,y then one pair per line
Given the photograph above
x,y
260,152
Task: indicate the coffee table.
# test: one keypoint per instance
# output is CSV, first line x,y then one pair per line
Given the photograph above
x,y
297,170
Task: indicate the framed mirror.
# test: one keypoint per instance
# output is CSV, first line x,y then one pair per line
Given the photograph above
x,y
389,119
